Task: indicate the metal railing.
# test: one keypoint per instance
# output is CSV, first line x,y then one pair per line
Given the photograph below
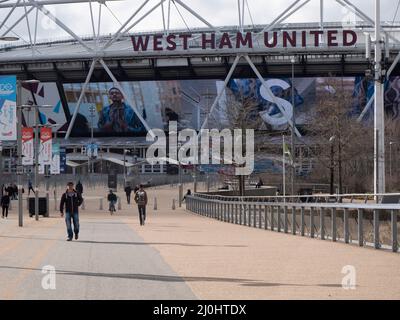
x,y
312,198
306,219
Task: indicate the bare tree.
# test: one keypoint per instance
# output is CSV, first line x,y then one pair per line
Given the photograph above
x,y
342,142
242,113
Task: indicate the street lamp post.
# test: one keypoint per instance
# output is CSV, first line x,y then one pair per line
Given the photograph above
x,y
19,152
37,146
37,150
180,178
292,131
92,110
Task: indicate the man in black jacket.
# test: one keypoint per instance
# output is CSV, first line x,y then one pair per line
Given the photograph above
x,y
79,187
128,191
71,200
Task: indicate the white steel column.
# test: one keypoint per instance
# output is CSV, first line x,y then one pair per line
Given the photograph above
x,y
120,31
9,14
89,76
379,117
60,24
321,14
17,22
216,101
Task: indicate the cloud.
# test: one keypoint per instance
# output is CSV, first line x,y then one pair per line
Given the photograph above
x,y
217,12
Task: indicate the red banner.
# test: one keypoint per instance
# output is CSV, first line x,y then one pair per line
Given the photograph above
x,y
45,153
27,146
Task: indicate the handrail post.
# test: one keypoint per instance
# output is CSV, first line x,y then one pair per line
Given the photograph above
x,y
346,225
394,230
333,221
224,212
259,217
360,228
311,222
236,213
244,214
322,223
254,216
293,220
266,217
302,222
240,213
376,229
279,218
285,221
272,227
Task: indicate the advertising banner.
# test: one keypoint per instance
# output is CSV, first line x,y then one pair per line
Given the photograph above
x,y
55,162
8,108
63,160
45,153
27,146
92,150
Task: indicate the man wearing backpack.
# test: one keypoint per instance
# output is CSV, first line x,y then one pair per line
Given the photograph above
x,y
70,201
141,200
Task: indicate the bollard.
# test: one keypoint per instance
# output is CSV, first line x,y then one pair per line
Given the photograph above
x,y
155,203
101,204
55,200
173,204
119,203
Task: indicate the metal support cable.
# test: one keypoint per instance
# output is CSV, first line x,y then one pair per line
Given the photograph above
x,y
180,14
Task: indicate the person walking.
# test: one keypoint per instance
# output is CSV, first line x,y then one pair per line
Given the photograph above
x,y
5,204
70,201
79,187
188,193
112,199
128,191
30,187
141,200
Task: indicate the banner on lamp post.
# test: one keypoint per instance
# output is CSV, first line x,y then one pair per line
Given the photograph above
x,y
63,160
55,162
45,152
27,147
8,108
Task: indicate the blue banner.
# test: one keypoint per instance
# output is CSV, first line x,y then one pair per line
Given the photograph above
x,y
8,108
63,161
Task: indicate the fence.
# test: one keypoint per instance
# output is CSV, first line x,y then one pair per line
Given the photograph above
x,y
301,218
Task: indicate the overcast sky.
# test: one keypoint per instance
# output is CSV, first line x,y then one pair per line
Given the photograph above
x,y
217,12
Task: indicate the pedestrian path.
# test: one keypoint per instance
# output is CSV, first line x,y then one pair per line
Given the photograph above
x,y
180,255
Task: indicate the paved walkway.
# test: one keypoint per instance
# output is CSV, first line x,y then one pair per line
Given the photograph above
x,y
179,255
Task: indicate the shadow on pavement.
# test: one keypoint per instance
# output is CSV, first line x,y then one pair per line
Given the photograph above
x,y
167,278
132,243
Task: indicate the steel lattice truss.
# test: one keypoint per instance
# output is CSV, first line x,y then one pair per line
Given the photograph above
x,y
100,57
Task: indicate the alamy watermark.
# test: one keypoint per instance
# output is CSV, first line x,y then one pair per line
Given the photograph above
x,y
189,147
349,280
49,278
